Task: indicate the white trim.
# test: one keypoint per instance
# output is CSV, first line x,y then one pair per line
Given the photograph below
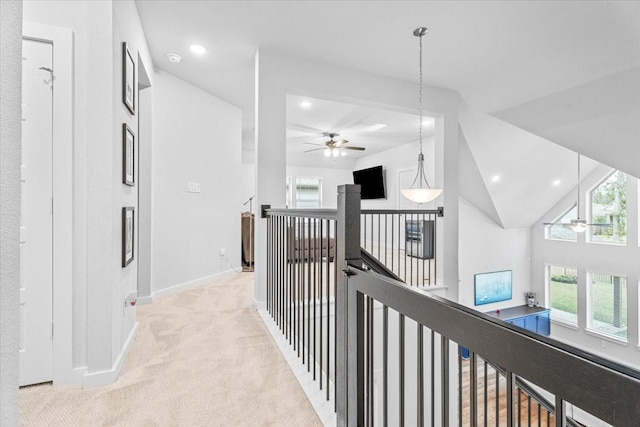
x,y
259,305
317,397
563,323
145,300
62,175
191,284
109,376
606,337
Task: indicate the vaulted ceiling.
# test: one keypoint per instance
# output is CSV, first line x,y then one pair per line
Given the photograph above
x,y
534,75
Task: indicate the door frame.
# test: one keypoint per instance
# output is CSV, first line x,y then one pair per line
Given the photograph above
x,y
62,179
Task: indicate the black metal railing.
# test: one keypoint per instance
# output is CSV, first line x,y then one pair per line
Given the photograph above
x,y
404,241
301,286
388,353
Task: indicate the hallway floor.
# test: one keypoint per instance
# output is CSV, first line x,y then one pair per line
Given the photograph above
x,y
201,358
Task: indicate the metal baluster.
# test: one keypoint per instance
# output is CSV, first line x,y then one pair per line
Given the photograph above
x,y
460,374
485,394
385,363
315,300
528,411
392,245
335,323
401,360
519,406
371,362
497,398
321,286
473,389
328,304
433,381
445,379
367,355
420,381
539,414
560,412
308,264
509,378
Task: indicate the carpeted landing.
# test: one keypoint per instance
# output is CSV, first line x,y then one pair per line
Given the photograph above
x,y
201,358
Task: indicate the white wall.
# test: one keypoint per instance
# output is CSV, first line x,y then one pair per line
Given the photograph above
x,y
620,260
10,138
126,28
398,159
197,138
486,246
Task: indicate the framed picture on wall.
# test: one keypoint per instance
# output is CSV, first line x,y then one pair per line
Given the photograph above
x,y
128,79
128,155
127,235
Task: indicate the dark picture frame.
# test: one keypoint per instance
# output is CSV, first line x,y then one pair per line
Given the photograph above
x,y
128,79
128,225
493,286
128,155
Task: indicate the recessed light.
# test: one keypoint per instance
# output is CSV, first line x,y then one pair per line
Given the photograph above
x,y
198,49
174,57
305,104
376,127
495,178
556,182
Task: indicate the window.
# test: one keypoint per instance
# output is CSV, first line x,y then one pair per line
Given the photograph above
x,y
562,283
305,194
609,206
562,232
608,305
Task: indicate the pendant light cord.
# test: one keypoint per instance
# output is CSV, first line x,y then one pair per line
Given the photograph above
x,y
420,97
578,203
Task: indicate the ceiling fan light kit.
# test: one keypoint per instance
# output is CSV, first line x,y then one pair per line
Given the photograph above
x,y
420,190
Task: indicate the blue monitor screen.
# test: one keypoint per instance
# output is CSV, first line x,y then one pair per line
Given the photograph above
x,y
492,287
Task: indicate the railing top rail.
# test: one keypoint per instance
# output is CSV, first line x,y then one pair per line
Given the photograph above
x,y
304,213
439,211
561,369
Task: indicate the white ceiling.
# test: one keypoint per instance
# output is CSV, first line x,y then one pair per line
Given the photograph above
x,y
495,54
307,126
530,73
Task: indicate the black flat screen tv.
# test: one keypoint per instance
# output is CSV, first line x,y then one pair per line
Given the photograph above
x,y
371,181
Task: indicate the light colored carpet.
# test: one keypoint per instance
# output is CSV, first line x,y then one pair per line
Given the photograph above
x,y
201,358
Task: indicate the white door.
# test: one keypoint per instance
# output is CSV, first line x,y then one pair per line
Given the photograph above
x,y
36,232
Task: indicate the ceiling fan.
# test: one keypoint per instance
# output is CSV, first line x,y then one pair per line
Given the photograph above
x,y
333,148
577,225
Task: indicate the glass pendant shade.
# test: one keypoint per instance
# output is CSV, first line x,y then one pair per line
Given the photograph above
x,y
578,225
420,192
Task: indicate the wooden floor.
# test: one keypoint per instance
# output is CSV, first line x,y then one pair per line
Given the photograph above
x,y
496,403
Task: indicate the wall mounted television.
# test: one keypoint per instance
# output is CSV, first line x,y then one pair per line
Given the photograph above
x,y
493,287
371,181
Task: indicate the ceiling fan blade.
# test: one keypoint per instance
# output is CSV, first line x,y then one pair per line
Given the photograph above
x,y
341,143
600,225
312,143
354,148
315,149
304,128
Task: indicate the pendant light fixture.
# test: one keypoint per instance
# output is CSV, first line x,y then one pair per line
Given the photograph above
x,y
420,191
578,225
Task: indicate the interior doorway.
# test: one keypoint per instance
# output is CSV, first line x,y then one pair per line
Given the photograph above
x,y
36,214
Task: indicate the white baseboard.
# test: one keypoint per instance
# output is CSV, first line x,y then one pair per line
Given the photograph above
x,y
145,300
188,285
317,397
259,305
109,376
